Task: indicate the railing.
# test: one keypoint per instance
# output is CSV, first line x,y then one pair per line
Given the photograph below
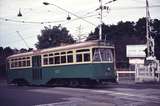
x,y
125,75
141,73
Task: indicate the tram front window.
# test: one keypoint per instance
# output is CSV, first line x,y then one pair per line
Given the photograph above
x,y
102,54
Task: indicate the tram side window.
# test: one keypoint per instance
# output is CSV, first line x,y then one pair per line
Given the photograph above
x,y
86,57
79,57
24,63
51,60
69,58
63,59
16,64
28,63
20,62
12,64
83,55
57,60
45,61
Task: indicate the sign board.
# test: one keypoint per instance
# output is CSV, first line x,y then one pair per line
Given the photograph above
x,y
136,50
136,61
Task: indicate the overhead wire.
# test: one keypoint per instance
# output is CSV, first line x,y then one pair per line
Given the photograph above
x,y
23,39
58,21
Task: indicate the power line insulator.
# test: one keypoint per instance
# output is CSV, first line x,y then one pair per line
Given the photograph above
x,y
19,14
68,17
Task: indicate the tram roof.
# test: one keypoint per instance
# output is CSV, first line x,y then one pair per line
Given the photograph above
x,y
64,47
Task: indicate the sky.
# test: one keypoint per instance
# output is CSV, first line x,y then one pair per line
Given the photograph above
x,y
35,16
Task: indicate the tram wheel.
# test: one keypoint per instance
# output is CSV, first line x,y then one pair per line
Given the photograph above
x,y
73,83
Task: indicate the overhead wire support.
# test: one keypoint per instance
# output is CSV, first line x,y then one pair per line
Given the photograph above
x,y
46,3
22,39
101,8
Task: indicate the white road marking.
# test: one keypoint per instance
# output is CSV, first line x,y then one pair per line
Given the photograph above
x,y
59,104
79,92
72,101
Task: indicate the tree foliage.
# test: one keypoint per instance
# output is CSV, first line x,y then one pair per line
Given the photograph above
x,y
52,37
127,33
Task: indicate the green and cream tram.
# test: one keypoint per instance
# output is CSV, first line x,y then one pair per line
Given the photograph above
x,y
89,62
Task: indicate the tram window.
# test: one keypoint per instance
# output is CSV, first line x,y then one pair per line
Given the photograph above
x,y
45,61
16,64
106,55
51,60
24,63
63,59
51,54
82,50
96,55
63,52
86,57
56,54
19,64
69,52
69,58
12,64
79,57
28,63
45,55
102,54
57,60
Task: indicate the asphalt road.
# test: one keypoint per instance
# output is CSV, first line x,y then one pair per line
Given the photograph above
x,y
108,95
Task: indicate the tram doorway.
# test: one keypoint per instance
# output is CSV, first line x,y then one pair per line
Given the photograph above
x,y
36,68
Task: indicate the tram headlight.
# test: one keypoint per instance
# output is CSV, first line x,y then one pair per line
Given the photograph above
x,y
108,69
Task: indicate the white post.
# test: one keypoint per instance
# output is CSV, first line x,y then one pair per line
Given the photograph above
x,y
101,16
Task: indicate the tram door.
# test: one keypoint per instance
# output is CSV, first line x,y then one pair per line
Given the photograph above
x,y
36,68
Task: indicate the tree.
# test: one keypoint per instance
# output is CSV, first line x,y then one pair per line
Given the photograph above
x,y
1,51
23,50
52,37
156,32
8,51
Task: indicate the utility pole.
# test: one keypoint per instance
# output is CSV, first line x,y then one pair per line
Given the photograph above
x,y
101,21
153,66
101,8
79,33
150,40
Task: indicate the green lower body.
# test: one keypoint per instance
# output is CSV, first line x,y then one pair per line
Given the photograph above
x,y
42,75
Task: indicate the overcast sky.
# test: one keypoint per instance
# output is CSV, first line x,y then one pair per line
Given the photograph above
x,y
35,11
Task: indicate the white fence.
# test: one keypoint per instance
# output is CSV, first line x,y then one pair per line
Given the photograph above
x,y
121,75
145,73
141,74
